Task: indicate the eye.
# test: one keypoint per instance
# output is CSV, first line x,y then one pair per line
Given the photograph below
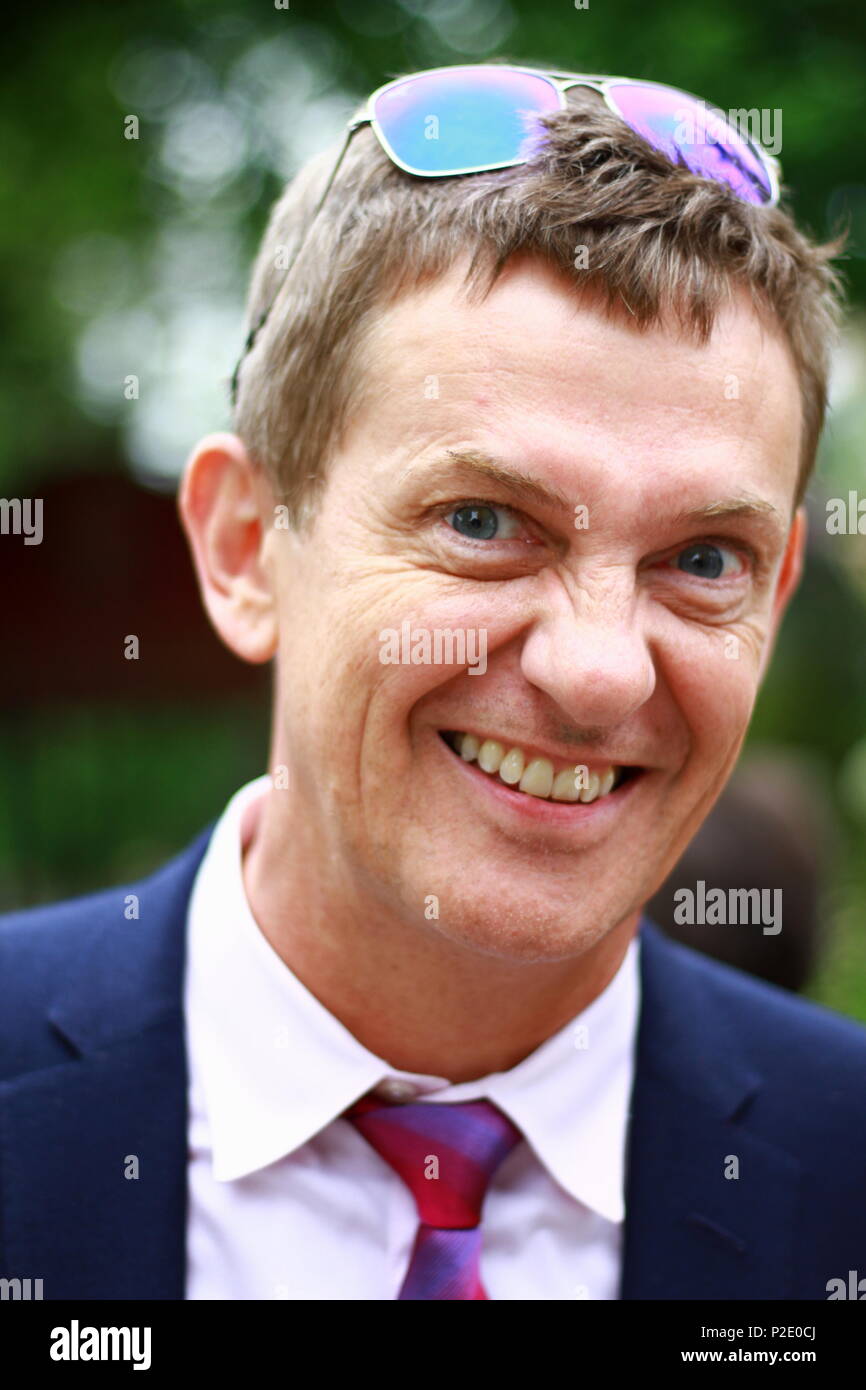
x,y
482,521
707,561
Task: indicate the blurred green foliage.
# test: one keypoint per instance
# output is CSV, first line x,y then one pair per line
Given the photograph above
x,y
109,241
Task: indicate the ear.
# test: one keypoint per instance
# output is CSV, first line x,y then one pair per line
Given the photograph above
x,y
226,508
790,574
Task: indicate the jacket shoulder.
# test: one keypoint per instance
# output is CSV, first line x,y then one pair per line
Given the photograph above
x,y
42,949
813,1057
755,999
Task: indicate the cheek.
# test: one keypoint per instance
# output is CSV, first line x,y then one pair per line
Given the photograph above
x,y
714,679
355,657
359,623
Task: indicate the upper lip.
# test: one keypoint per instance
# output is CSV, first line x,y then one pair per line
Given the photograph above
x,y
594,761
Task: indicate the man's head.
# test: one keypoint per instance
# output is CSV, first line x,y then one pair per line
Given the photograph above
x,y
567,411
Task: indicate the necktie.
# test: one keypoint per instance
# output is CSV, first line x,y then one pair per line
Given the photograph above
x,y
446,1155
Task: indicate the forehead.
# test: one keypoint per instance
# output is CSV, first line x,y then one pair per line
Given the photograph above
x,y
546,373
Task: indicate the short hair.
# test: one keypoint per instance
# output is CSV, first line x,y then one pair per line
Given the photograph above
x,y
659,239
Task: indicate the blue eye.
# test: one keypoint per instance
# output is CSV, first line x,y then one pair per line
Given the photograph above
x,y
480,523
705,561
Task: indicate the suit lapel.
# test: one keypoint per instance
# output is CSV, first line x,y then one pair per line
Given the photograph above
x,y
691,1232
94,1151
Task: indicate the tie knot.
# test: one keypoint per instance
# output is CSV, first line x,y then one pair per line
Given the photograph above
x,y
446,1154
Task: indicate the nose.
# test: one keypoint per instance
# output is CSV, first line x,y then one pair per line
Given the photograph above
x,y
588,651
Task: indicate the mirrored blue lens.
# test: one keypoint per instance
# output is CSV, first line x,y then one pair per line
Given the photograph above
x,y
464,119
692,133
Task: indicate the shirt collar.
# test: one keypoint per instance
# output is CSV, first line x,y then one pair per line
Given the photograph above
x,y
271,1066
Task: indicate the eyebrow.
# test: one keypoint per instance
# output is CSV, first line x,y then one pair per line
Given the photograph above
x,y
744,508
486,469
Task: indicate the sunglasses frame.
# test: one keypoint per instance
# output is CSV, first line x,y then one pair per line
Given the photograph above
x,y
561,82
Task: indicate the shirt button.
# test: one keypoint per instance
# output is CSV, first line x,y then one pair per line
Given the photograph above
x,y
395,1089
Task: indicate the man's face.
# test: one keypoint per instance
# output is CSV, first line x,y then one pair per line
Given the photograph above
x,y
627,581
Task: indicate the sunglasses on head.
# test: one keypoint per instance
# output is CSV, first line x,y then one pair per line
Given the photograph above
x,y
469,119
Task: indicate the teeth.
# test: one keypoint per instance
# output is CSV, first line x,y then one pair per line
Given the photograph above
x,y
511,767
537,780
564,787
490,755
590,791
537,776
469,746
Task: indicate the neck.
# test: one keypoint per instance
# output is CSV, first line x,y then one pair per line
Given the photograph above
x,y
420,1001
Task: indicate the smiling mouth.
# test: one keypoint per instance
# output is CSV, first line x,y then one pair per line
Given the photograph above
x,y
538,777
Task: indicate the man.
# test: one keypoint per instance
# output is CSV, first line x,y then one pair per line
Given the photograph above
x,y
531,394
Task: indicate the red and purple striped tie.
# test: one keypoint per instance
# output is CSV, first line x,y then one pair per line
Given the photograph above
x,y
446,1155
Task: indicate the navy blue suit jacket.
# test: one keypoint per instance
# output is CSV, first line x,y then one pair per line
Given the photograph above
x,y
93,1069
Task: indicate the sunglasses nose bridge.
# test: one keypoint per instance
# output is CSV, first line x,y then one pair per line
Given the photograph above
x,y
569,80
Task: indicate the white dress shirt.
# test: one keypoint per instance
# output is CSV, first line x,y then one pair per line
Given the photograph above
x,y
288,1200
